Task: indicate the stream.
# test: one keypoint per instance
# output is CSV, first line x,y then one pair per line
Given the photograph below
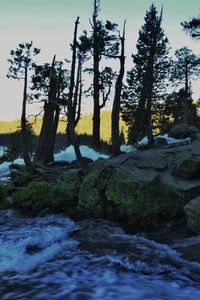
x,y
53,257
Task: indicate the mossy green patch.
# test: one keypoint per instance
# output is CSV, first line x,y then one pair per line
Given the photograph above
x,y
144,202
34,198
39,196
5,201
117,193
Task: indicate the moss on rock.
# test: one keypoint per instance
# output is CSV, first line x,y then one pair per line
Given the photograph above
x,y
5,201
118,193
192,212
144,202
39,196
34,198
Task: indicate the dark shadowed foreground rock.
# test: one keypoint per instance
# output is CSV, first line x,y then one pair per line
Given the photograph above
x,y
192,211
142,188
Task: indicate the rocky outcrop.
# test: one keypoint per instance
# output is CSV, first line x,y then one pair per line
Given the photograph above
x,y
141,188
192,211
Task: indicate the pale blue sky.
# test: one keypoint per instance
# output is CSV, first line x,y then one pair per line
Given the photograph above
x,y
49,23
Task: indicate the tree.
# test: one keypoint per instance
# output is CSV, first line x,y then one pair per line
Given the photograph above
x,y
14,149
102,43
20,64
115,136
70,108
192,27
186,67
48,85
147,79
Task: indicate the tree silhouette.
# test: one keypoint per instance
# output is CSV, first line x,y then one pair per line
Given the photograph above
x,y
186,66
48,85
115,134
146,80
102,43
20,64
192,27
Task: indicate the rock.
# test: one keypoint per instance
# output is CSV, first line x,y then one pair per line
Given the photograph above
x,y
142,188
154,162
159,141
192,212
182,130
58,163
85,161
39,196
135,197
70,184
188,168
190,188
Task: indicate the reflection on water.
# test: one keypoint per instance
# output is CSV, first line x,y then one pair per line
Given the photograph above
x,y
55,258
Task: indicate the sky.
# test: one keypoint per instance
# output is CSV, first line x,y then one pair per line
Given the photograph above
x,y
50,24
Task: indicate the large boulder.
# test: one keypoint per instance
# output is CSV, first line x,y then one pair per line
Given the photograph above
x,y
188,168
192,212
183,130
134,197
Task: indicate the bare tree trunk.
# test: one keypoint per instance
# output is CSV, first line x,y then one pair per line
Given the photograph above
x,y
44,152
96,78
116,102
25,152
71,120
140,116
149,130
75,102
78,116
187,108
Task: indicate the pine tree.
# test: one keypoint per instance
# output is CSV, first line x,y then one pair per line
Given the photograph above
x,y
186,67
146,80
20,64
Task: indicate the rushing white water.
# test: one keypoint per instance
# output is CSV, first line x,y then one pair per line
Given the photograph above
x,y
169,140
54,258
2,149
67,155
4,168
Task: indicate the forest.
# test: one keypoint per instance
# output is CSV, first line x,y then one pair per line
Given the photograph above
x,y
150,98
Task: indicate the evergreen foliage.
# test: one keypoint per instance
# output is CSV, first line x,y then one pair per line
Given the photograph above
x,y
192,27
146,81
14,149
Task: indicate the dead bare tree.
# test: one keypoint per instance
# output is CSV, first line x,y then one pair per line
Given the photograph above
x,y
115,135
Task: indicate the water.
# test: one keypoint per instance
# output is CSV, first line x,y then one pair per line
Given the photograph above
x,y
2,149
68,155
55,258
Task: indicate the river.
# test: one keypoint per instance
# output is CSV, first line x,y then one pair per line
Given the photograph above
x,y
54,258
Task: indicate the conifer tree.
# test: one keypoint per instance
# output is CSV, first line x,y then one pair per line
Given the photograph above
x,y
146,80
186,67
20,64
